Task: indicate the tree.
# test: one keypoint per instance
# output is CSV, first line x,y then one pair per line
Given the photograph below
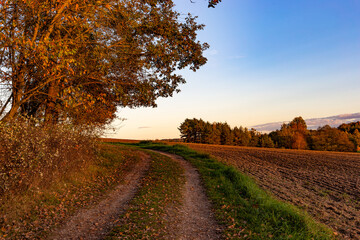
x,y
350,127
266,141
193,130
226,136
327,138
73,60
356,139
298,124
292,135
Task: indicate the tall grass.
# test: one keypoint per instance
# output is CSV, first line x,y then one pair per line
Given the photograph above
x,y
32,156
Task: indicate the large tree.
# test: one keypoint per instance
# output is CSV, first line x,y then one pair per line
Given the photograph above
x,y
78,60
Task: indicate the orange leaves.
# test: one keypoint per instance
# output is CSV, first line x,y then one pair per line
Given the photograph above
x,y
107,47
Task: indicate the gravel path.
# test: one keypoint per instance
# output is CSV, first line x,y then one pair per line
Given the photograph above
x,y
195,219
96,222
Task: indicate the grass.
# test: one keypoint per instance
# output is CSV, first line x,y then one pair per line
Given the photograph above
x,y
247,211
32,214
146,215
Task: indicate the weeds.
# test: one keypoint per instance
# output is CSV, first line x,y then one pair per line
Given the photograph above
x,y
32,156
49,173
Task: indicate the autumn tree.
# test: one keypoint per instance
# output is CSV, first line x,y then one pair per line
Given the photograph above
x,y
77,61
299,127
350,127
292,135
355,137
327,138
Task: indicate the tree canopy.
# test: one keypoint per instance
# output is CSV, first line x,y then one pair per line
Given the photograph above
x,y
79,60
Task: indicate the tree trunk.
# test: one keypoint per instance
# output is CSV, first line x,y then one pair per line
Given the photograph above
x,y
51,113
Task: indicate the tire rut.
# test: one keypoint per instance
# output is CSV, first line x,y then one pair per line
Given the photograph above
x,y
97,221
195,219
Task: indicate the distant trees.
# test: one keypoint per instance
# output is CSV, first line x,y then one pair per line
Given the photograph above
x,y
293,135
353,130
198,131
327,138
350,127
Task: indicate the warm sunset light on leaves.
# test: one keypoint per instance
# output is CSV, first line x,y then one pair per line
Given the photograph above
x,y
294,135
78,60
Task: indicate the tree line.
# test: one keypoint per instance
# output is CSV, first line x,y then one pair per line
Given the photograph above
x,y
294,135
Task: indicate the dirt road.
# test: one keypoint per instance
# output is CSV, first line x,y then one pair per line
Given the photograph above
x,y
96,221
192,220
195,219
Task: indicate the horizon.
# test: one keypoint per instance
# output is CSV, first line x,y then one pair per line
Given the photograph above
x,y
312,124
268,62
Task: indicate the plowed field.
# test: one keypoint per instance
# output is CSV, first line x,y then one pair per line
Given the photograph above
x,y
325,184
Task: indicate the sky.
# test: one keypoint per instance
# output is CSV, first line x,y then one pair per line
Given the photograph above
x,y
268,61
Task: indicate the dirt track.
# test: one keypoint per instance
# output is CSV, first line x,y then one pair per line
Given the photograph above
x,y
191,220
195,220
95,222
326,184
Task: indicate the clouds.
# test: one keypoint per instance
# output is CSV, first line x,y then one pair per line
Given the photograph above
x,y
313,123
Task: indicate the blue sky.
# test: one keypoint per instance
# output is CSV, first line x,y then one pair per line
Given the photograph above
x,y
268,61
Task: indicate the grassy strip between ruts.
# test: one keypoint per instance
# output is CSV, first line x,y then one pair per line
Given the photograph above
x,y
33,214
247,211
147,216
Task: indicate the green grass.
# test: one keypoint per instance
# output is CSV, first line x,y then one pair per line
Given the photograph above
x,y
160,190
247,211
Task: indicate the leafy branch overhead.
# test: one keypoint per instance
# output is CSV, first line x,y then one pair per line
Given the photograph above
x,y
213,3
79,60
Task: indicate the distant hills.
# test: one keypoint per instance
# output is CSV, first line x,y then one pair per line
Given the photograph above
x,y
313,123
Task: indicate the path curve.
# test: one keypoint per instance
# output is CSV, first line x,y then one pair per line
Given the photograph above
x,y
97,221
195,220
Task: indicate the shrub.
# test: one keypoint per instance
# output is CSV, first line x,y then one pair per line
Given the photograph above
x,y
32,156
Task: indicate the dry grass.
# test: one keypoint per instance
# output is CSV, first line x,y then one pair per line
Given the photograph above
x,y
116,140
33,156
35,212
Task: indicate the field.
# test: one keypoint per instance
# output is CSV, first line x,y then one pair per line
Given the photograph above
x,y
325,184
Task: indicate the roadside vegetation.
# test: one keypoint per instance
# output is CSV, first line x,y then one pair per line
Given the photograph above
x,y
247,211
322,183
47,174
148,214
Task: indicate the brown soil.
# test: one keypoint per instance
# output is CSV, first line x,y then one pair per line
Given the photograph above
x,y
95,222
194,219
326,184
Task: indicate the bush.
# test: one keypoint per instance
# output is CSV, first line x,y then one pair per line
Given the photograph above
x,y
32,156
